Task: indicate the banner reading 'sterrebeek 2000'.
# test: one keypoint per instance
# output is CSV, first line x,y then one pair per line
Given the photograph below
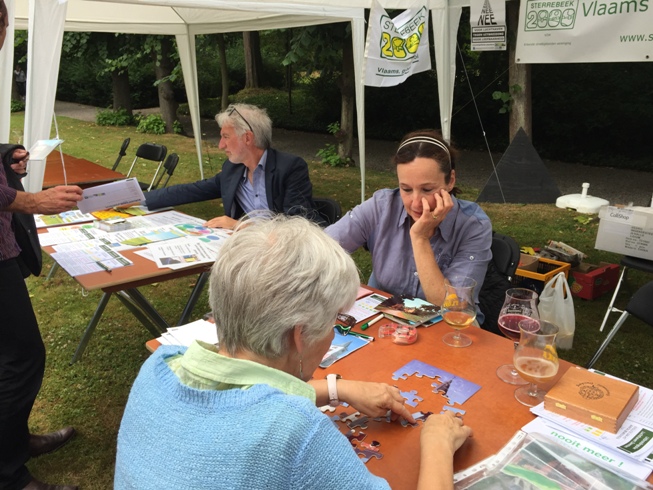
x,y
577,31
396,48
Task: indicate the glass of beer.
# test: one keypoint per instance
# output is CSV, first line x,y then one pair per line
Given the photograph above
x,y
536,359
458,309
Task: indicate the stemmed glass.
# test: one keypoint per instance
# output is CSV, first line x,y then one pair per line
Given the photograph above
x,y
520,304
535,358
458,309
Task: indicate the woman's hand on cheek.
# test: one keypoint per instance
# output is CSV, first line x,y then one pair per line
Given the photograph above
x,y
425,226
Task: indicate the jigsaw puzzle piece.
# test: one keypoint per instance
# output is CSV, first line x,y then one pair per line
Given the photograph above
x,y
457,411
359,423
367,454
418,416
372,446
387,418
411,397
353,437
419,369
348,418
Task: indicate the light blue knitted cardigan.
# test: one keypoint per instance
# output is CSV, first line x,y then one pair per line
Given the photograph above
x,y
176,437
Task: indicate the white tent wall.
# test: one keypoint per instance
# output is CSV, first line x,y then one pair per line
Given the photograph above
x,y
445,28
6,75
43,56
188,59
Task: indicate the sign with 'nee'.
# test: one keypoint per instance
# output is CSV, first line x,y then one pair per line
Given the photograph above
x,y
488,23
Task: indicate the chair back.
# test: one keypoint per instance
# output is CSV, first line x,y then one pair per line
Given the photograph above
x,y
168,169
329,209
640,305
121,153
505,254
152,152
498,279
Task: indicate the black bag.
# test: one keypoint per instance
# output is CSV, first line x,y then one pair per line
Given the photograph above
x,y
24,226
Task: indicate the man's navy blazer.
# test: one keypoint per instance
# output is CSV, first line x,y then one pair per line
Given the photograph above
x,y
287,185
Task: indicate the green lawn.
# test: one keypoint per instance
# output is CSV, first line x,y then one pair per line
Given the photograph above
x,y
91,394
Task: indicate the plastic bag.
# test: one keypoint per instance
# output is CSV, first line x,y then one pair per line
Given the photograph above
x,y
557,306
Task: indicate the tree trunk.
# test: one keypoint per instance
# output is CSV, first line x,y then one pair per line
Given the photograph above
x,y
224,72
163,67
120,90
521,109
348,97
253,60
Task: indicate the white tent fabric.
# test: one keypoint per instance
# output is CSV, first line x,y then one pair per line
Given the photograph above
x,y
187,18
45,53
6,75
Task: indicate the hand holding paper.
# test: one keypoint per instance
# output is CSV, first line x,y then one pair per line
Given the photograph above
x,y
110,195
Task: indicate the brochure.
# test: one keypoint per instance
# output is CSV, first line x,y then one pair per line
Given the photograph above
x,y
341,346
408,310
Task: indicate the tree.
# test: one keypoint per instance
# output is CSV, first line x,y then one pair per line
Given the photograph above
x,y
328,49
253,59
224,72
519,80
166,69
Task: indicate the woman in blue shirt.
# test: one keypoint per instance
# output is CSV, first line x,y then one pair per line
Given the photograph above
x,y
420,233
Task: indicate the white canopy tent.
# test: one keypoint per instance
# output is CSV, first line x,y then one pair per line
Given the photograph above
x,y
47,19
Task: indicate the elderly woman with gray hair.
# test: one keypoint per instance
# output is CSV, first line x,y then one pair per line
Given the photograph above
x,y
245,416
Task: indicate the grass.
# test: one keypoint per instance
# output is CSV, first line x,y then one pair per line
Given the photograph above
x,y
91,394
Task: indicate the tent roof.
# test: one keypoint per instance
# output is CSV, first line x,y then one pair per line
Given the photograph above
x,y
99,16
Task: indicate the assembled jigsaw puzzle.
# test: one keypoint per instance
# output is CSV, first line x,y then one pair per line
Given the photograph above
x,y
453,389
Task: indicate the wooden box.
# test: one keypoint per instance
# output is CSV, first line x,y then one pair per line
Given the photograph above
x,y
593,399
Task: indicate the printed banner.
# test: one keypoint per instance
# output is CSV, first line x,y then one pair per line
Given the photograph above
x,y
396,48
578,31
488,23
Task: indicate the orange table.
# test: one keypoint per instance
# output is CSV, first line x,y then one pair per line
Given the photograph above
x,y
79,172
124,283
493,413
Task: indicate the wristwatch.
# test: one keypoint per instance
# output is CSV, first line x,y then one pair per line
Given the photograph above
x,y
333,389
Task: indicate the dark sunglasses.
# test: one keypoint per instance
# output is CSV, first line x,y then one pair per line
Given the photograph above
x,y
233,109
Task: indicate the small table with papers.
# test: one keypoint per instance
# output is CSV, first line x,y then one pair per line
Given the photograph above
x,y
124,283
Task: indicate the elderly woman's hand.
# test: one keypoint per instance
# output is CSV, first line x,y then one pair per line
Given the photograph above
x,y
425,226
374,399
444,431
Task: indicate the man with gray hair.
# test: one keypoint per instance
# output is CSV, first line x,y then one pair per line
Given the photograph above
x,y
255,177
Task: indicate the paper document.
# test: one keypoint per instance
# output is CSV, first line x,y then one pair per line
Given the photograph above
x,y
109,195
187,334
42,148
633,439
364,307
591,450
88,260
74,216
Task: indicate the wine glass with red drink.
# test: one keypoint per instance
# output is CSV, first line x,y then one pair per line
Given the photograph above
x,y
520,304
536,359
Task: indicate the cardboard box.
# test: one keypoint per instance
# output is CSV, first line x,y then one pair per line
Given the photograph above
x,y
593,399
589,281
527,262
627,231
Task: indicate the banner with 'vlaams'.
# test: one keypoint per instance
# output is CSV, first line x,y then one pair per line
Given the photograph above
x,y
396,48
578,31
